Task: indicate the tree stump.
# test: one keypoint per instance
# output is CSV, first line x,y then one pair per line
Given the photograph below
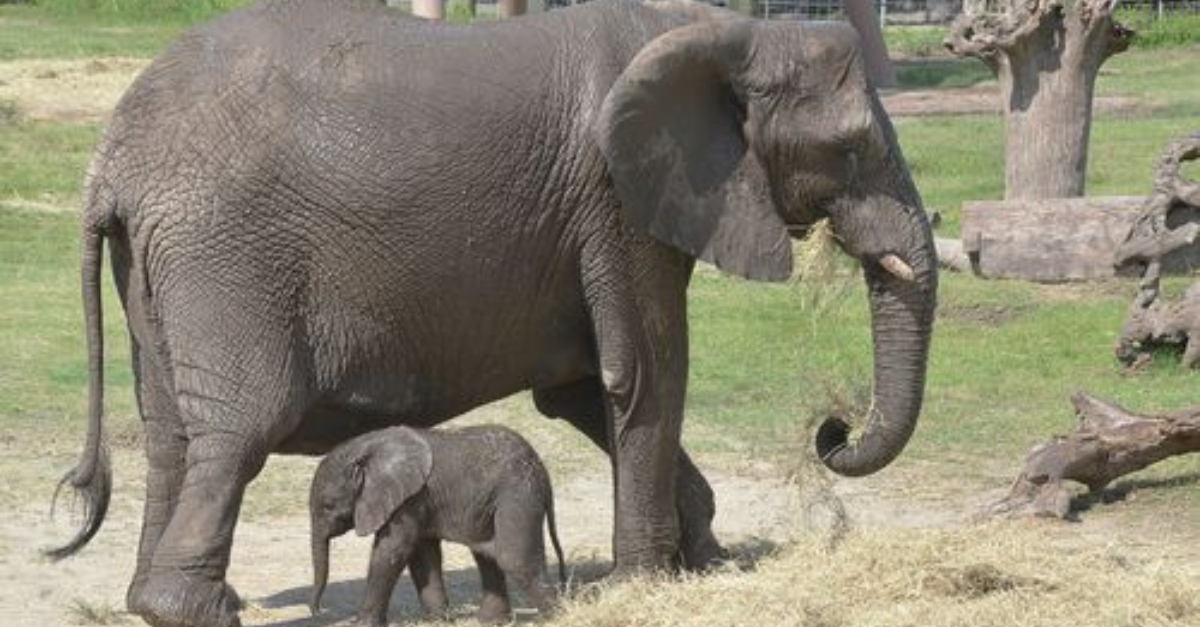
x,y
1046,55
1108,443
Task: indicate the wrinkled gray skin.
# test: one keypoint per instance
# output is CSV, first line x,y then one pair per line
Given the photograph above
x,y
484,487
325,219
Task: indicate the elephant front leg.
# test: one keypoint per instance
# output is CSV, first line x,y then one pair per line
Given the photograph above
x,y
185,585
639,322
395,544
582,404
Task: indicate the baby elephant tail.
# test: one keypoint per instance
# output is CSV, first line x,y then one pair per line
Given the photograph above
x,y
553,528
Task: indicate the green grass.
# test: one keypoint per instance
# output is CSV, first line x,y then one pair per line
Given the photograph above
x,y
1175,29
914,41
43,377
29,32
941,72
43,162
960,158
1006,358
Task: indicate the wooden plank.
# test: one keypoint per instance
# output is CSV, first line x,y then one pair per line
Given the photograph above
x,y
1065,239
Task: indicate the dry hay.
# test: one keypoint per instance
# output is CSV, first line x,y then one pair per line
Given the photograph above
x,y
985,99
1000,575
72,90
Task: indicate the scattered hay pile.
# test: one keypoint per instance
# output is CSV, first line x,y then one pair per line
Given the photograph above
x,y
70,90
1001,575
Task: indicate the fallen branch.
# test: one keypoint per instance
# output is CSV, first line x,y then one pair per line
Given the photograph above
x,y
1170,219
1108,443
1154,321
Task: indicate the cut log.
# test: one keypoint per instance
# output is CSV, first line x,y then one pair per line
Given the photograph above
x,y
1054,240
951,255
1108,443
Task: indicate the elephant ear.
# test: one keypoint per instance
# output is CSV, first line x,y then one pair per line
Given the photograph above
x,y
671,132
394,469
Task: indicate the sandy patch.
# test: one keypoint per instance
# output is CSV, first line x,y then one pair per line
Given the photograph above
x,y
67,90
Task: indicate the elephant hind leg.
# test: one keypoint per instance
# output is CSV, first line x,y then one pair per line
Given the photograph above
x,y
494,606
229,409
185,584
582,404
520,547
166,449
425,567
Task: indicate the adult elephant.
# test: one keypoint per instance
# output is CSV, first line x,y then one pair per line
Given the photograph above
x,y
324,219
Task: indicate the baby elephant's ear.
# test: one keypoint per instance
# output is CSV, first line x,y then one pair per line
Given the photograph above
x,y
396,468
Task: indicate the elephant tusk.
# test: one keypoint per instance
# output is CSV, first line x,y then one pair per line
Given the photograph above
x,y
897,267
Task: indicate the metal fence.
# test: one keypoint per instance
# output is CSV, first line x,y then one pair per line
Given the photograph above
x,y
907,12
902,12
891,12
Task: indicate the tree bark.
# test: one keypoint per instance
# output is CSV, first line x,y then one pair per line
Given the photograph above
x,y
1166,231
1108,443
1046,55
1154,321
511,8
429,9
862,16
1170,219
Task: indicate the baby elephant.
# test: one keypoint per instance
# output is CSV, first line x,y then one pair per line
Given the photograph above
x,y
484,487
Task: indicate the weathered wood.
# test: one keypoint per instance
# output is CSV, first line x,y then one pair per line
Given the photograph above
x,y
1109,442
1167,227
1063,239
951,255
1170,218
1155,321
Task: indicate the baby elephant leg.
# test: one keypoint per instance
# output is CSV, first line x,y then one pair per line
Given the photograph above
x,y
426,570
521,548
494,607
394,545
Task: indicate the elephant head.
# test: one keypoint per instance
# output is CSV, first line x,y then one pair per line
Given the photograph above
x,y
726,136
360,485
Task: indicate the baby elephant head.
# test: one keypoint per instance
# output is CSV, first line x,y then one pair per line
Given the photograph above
x,y
361,484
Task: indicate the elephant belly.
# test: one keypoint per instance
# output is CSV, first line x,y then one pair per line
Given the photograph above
x,y
445,379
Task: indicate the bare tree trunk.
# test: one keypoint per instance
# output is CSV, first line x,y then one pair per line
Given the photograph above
x,y
1046,55
511,8
429,9
1109,442
861,15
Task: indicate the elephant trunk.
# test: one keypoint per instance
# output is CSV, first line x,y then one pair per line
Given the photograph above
x,y
902,318
890,234
320,560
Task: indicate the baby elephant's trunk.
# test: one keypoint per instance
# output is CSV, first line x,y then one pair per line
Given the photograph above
x,y
320,560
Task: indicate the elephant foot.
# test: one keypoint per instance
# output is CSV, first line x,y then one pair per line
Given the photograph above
x,y
494,610
702,555
172,598
370,621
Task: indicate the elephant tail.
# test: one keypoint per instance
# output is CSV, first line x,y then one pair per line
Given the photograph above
x,y
91,479
552,527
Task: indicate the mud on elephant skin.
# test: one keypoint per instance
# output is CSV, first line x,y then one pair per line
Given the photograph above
x,y
484,487
312,236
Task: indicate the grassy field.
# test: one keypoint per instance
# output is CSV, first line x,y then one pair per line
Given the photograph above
x,y
766,358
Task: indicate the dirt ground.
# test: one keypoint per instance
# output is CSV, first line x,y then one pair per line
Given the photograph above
x,y
758,509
